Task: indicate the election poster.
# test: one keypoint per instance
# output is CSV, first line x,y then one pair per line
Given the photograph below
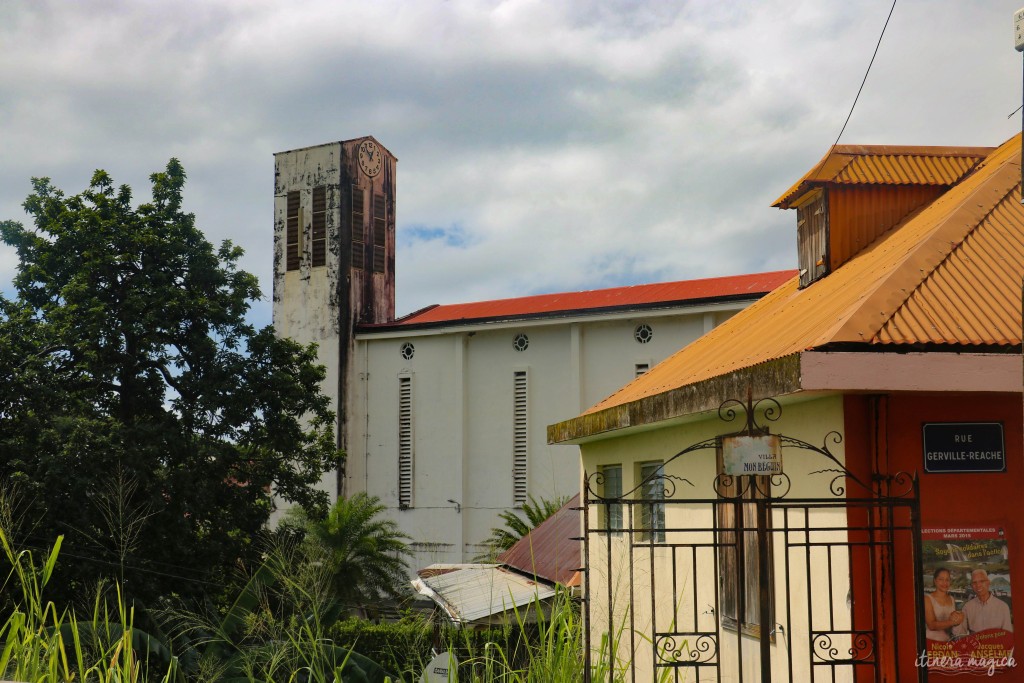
x,y
967,601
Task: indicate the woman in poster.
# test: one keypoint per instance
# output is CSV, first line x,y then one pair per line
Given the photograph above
x,y
940,613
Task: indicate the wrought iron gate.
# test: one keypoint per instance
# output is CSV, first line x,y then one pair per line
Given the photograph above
x,y
739,580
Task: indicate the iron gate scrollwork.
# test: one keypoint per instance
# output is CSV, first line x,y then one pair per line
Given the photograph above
x,y
744,580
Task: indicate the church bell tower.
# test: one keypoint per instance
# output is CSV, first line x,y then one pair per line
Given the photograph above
x,y
334,256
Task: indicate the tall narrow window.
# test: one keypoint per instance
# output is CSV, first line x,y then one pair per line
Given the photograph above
x,y
293,232
520,436
652,492
405,441
319,231
358,232
612,491
379,228
739,566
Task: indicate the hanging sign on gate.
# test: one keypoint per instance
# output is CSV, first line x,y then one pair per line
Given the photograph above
x,y
752,455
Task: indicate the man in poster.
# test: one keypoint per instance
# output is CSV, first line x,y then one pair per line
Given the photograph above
x,y
971,566
984,611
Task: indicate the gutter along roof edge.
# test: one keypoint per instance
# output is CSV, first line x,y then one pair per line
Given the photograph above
x,y
770,379
551,315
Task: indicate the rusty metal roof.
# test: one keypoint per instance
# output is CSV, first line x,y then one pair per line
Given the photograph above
x,y
948,276
887,165
552,550
616,298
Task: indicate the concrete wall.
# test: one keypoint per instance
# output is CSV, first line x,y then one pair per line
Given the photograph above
x,y
463,407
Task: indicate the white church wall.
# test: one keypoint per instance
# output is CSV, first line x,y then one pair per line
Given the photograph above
x,y
462,392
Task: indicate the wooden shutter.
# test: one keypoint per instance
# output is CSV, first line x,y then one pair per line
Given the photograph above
x,y
319,231
379,233
358,230
293,244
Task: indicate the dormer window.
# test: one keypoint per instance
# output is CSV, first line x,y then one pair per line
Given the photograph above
x,y
858,192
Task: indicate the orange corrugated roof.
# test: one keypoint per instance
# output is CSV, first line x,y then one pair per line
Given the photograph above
x,y
887,165
736,286
948,275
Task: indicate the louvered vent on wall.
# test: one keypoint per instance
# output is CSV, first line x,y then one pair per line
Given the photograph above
x,y
520,436
379,236
319,232
293,245
405,449
358,234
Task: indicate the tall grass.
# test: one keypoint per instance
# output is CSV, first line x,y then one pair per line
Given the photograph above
x,y
553,654
42,643
45,644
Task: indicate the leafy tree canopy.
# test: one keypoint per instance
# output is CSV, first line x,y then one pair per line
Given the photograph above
x,y
140,414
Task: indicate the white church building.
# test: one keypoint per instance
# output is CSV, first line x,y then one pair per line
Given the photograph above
x,y
443,413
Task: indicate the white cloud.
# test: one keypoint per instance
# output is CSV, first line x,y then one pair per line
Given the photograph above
x,y
554,145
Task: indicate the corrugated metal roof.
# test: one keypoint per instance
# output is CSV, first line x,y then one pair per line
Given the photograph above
x,y
479,591
948,275
735,286
887,165
549,552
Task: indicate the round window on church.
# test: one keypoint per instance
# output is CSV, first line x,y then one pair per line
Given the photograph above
x,y
520,342
643,333
408,351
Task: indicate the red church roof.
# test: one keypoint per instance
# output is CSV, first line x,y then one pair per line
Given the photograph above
x,y
634,296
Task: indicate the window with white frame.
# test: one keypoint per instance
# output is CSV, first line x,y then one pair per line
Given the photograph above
x,y
405,442
520,436
652,493
612,491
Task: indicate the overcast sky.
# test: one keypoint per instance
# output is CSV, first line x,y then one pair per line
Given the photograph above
x,y
543,146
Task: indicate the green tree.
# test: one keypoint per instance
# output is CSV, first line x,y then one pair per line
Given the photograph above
x,y
503,538
126,356
365,552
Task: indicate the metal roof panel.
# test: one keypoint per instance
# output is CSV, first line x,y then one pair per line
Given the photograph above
x,y
479,591
887,165
549,551
950,274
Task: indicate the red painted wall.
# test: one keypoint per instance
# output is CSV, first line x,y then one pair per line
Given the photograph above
x,y
884,436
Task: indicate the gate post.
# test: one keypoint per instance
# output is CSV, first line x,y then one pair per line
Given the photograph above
x,y
764,589
585,577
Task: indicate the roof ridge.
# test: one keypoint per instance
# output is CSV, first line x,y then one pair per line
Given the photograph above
x,y
891,292
914,150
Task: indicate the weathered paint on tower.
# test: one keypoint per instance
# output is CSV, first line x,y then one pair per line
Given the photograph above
x,y
334,255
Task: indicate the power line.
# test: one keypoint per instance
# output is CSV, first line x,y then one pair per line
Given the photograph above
x,y
134,568
859,90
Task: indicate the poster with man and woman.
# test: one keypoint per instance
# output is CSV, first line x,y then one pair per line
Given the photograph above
x,y
967,600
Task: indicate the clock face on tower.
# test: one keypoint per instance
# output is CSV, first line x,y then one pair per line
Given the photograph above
x,y
370,158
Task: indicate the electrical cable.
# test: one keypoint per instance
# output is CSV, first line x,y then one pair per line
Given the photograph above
x,y
859,90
